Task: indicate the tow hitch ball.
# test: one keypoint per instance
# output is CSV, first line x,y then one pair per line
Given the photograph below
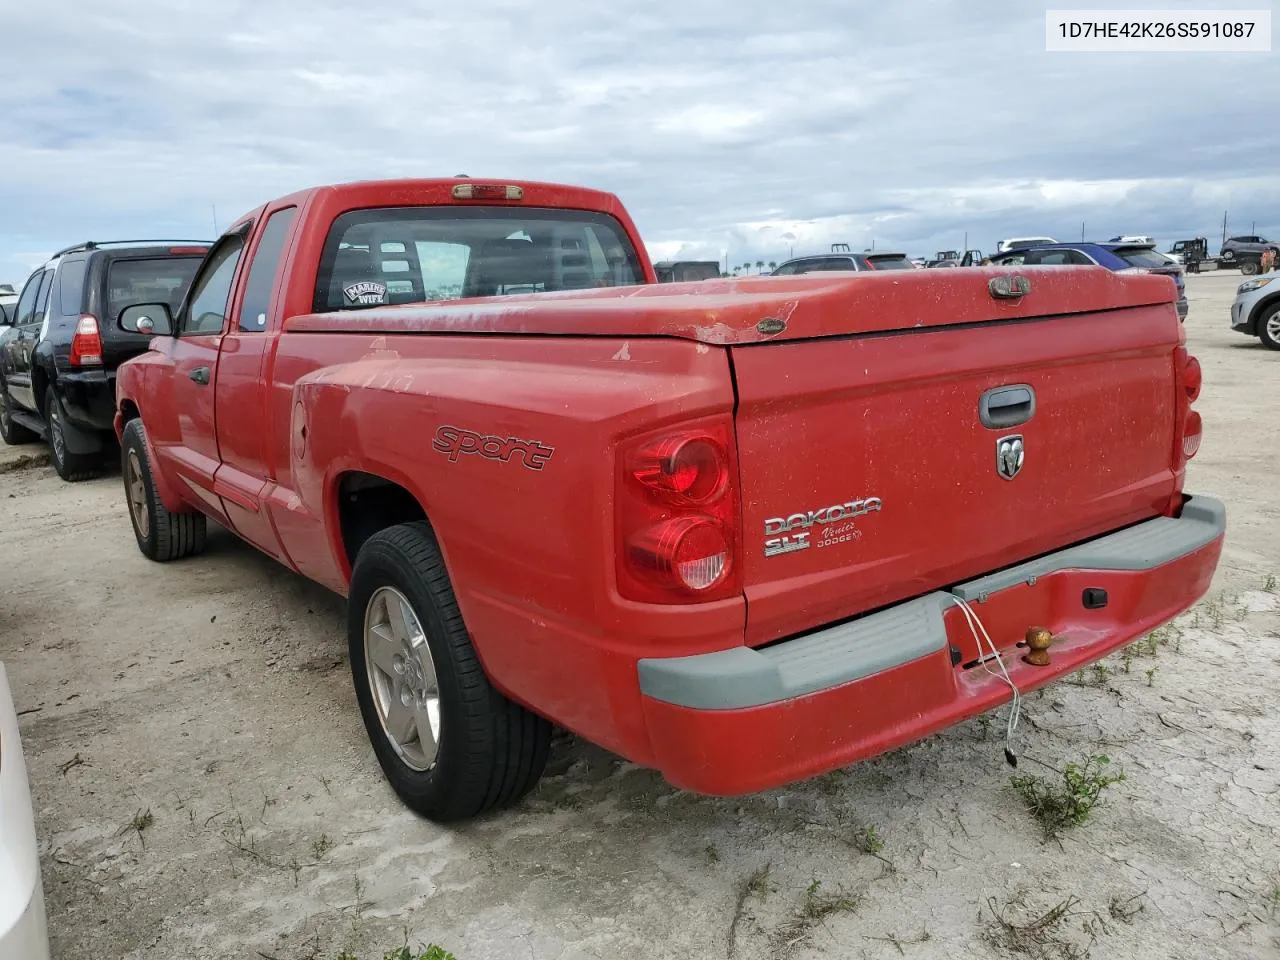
x,y
1038,642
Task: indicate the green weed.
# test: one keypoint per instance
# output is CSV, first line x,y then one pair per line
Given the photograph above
x,y
1057,806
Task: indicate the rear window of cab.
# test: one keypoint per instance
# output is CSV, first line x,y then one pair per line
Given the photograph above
x,y
422,254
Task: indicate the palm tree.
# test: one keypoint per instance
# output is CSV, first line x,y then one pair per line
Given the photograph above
x,y
736,270
760,266
747,266
773,265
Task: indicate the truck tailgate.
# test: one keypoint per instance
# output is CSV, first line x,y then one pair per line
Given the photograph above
x,y
869,476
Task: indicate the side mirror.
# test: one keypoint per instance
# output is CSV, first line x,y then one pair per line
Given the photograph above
x,y
148,319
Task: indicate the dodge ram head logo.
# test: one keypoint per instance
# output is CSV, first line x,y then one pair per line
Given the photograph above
x,y
798,527
1010,452
456,442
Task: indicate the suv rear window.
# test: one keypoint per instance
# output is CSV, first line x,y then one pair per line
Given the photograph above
x,y
152,280
889,261
417,254
1142,257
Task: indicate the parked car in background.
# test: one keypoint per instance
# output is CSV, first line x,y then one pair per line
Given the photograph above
x,y
23,935
59,356
1256,310
1245,252
1018,243
679,271
1117,257
1143,240
605,512
8,300
857,262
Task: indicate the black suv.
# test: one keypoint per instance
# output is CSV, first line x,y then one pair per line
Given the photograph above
x,y
60,347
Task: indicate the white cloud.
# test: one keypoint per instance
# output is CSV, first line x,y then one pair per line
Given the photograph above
x,y
747,127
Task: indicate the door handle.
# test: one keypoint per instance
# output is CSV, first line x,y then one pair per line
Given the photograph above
x,y
1008,406
200,375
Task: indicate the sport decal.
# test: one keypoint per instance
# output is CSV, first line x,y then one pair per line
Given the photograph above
x,y
455,442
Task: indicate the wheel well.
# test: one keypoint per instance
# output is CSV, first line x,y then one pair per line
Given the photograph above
x,y
368,504
129,411
1260,310
39,387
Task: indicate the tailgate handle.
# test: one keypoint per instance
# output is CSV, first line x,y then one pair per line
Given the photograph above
x,y
1002,407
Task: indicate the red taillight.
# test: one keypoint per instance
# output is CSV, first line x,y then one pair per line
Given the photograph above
x,y
688,553
86,344
689,468
1189,427
188,251
677,516
1192,378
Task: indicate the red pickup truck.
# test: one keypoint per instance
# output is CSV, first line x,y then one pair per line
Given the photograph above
x,y
743,531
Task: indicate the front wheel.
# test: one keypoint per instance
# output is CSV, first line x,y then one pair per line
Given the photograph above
x,y
161,535
1249,267
450,744
1269,327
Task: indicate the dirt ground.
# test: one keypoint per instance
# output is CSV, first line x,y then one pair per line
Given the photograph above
x,y
204,787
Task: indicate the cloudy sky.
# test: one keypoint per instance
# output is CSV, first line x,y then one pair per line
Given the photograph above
x,y
750,128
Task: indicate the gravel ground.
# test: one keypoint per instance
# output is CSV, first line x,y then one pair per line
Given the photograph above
x,y
204,787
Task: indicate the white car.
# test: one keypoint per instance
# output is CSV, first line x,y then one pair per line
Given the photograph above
x,y
1013,243
23,935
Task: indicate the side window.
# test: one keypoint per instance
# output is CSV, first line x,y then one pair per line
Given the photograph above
x,y
26,306
207,306
42,297
836,263
786,270
71,287
263,269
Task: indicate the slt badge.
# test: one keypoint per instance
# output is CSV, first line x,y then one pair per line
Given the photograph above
x,y
776,546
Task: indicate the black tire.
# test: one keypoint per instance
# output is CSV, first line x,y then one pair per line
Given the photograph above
x,y
1269,326
1249,267
162,536
490,750
72,467
12,432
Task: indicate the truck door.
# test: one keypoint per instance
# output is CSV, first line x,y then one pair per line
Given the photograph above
x,y
181,428
240,396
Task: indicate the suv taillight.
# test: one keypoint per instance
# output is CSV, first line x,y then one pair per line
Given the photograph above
x,y
86,344
677,515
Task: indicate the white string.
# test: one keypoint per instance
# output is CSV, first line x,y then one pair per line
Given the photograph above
x,y
979,631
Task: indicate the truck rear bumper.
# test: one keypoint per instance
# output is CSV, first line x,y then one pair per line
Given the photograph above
x,y
742,720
